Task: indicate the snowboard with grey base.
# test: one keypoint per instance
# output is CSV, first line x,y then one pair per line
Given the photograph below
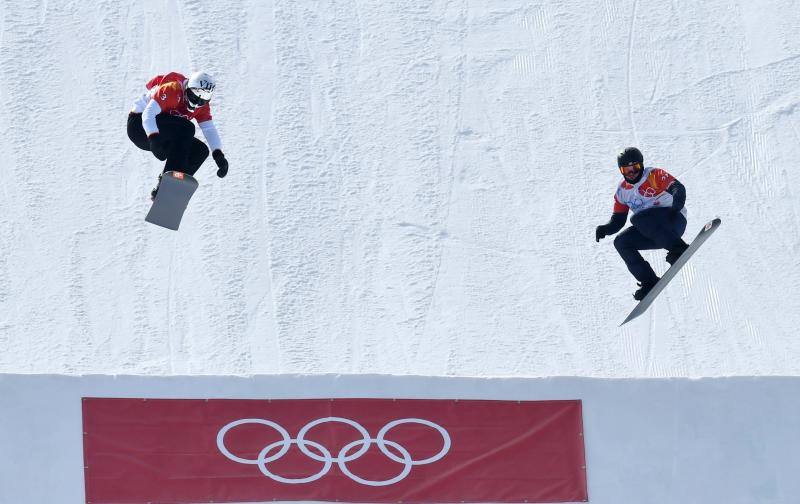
x,y
702,236
174,193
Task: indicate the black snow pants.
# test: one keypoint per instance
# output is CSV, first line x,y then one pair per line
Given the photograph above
x,y
656,228
185,153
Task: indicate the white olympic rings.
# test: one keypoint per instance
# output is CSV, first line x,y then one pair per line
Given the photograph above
x,y
325,455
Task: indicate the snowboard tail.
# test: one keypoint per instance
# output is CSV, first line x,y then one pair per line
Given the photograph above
x,y
702,236
172,198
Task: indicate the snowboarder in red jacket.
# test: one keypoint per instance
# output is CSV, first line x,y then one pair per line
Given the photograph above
x,y
160,122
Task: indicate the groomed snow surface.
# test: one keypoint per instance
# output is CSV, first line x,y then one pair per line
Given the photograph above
x,y
414,188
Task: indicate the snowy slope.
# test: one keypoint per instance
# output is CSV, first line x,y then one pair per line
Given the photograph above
x,y
414,187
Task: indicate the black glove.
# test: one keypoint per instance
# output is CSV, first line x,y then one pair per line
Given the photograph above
x,y
158,146
222,163
678,192
616,223
601,232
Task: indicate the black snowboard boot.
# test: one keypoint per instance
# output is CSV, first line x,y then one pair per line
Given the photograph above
x,y
644,288
155,189
675,252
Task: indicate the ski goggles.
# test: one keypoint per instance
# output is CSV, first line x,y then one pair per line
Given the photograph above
x,y
631,169
198,97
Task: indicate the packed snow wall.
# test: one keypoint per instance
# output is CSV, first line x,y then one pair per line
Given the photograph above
x,y
659,441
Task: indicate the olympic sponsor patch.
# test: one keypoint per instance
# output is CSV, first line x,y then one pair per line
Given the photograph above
x,y
353,450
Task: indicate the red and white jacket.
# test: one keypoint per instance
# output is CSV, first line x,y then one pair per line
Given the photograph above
x,y
649,192
166,94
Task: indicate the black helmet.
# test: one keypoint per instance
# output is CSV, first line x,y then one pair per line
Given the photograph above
x,y
630,155
631,164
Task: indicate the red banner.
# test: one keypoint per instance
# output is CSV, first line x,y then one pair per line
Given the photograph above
x,y
353,450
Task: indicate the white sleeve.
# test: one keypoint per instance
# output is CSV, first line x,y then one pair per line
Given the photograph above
x,y
211,134
140,103
149,117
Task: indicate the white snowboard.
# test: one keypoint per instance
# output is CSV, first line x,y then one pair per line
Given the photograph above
x,y
702,236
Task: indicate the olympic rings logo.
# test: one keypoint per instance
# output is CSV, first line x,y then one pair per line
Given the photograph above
x,y
648,192
324,455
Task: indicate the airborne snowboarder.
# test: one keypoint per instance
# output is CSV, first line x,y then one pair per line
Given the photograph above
x,y
656,199
160,122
